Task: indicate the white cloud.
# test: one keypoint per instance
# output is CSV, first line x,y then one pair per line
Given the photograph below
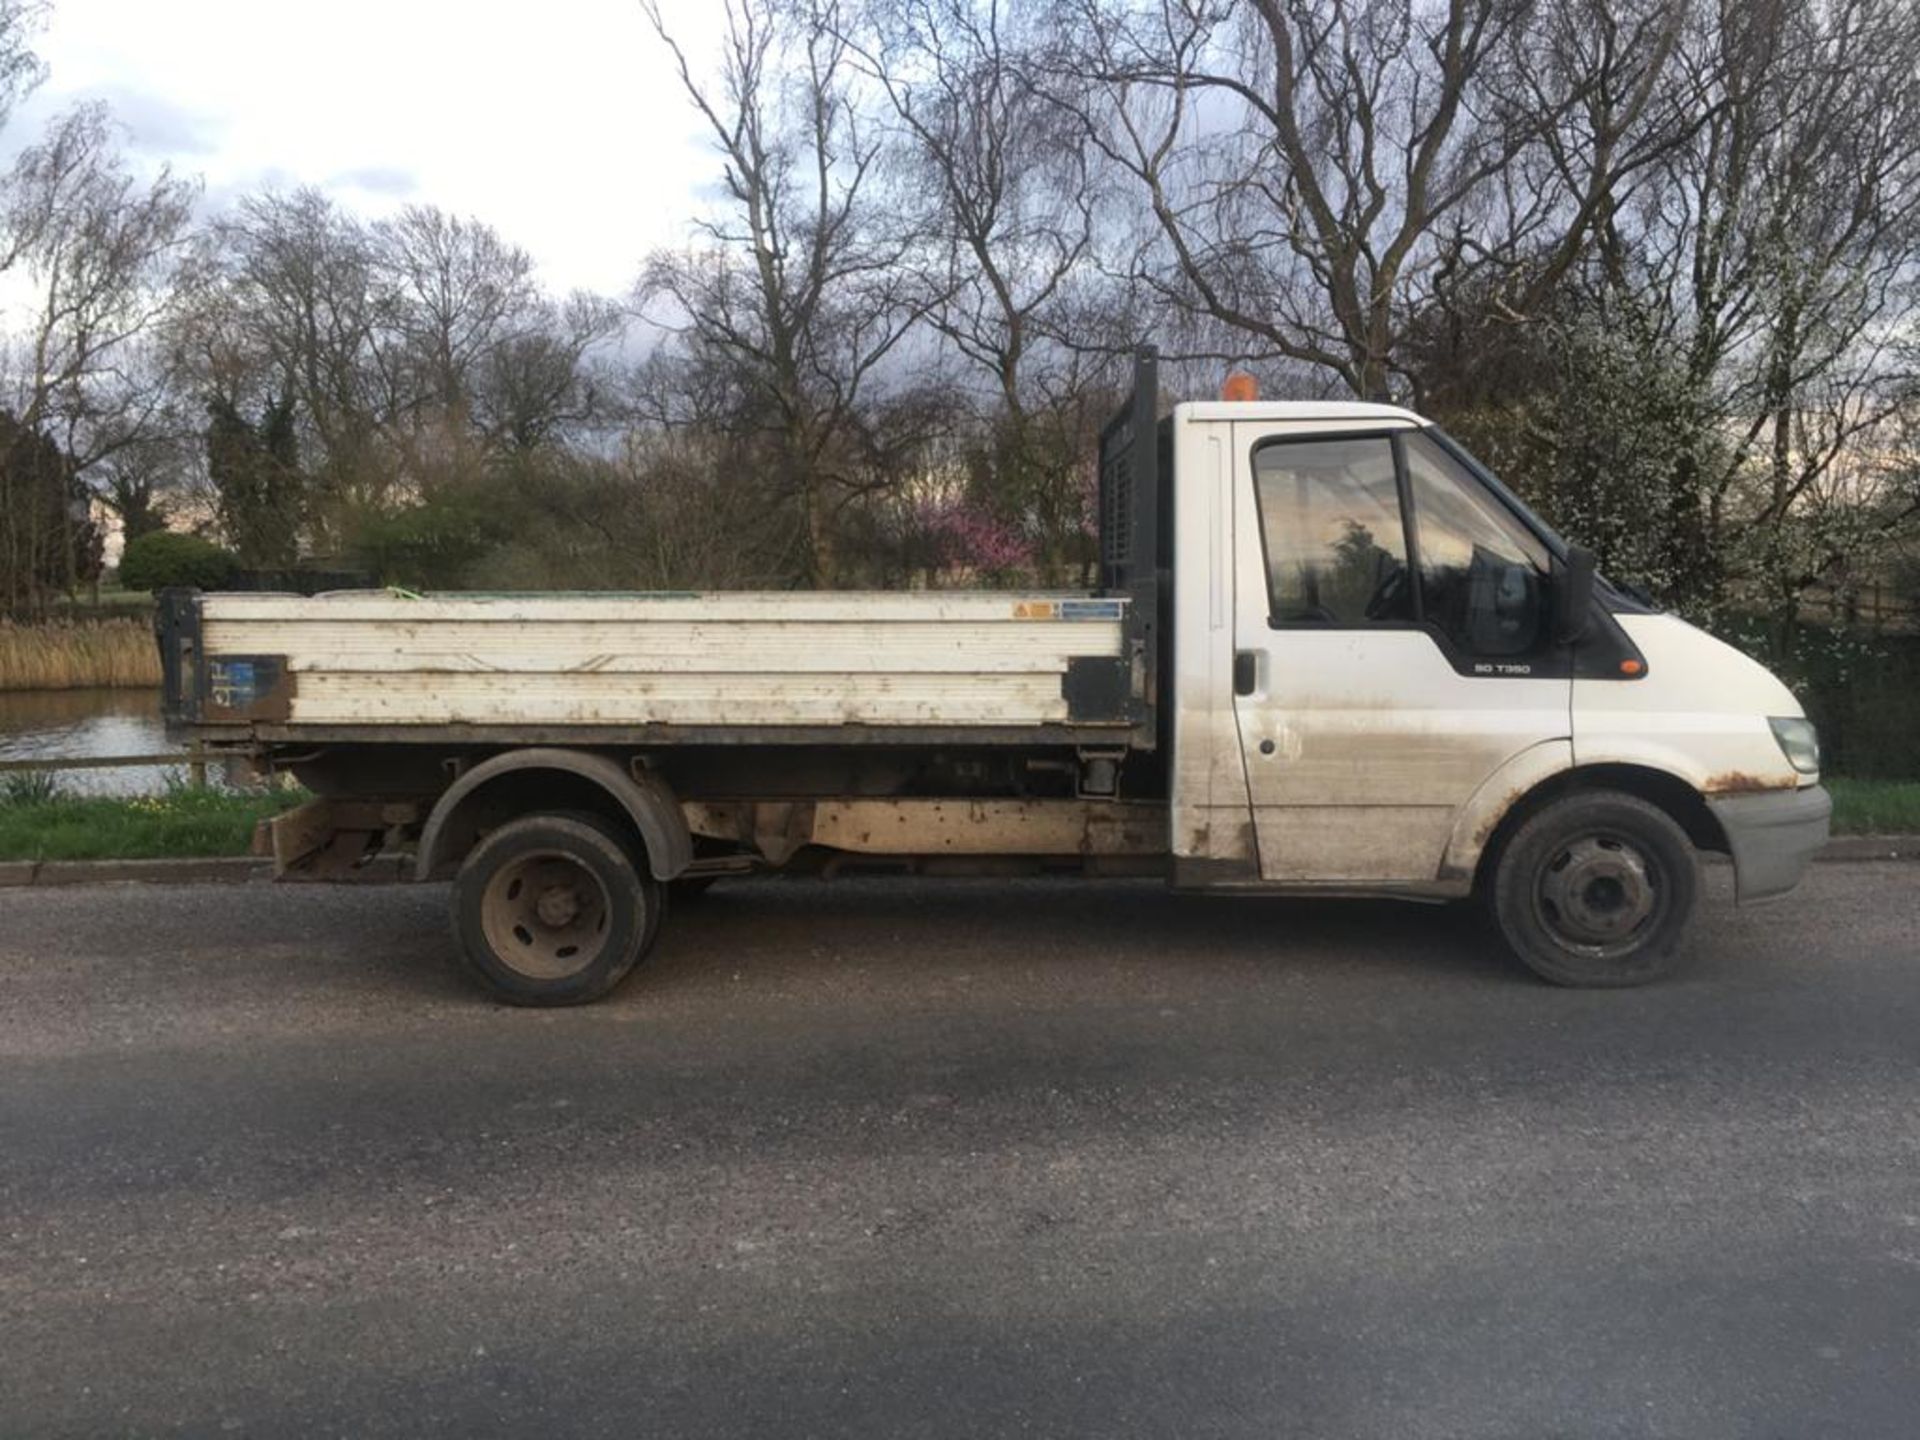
x,y
560,123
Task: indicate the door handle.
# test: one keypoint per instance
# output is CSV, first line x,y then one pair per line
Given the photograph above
x,y
1246,671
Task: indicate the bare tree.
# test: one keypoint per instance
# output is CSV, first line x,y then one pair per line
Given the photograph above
x,y
1712,388
149,474
1597,92
484,361
460,292
1780,248
20,68
98,251
393,360
1838,247
1008,201
796,294
544,381
1010,212
292,317
1302,159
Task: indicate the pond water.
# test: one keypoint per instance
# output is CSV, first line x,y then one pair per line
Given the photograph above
x,y
75,723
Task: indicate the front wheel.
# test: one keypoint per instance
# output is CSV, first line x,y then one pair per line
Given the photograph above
x,y
1596,889
553,910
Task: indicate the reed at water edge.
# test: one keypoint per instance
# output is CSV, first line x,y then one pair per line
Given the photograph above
x,y
78,654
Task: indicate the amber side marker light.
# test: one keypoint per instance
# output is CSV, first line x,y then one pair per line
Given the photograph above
x,y
1239,386
1631,667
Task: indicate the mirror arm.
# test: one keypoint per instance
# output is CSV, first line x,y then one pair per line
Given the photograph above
x,y
1573,595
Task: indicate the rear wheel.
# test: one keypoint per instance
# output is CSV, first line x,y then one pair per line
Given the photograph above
x,y
1596,889
553,910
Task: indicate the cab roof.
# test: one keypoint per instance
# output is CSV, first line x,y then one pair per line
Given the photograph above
x,y
1282,411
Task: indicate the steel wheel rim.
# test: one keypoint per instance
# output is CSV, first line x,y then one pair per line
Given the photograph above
x,y
1600,895
545,915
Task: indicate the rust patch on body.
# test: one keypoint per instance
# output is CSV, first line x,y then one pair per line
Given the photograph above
x,y
1499,813
1738,782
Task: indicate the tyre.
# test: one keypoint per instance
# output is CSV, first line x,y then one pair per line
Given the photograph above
x,y
1596,889
553,910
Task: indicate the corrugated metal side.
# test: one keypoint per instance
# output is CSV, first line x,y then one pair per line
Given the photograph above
x,y
838,605
746,660
656,646
595,699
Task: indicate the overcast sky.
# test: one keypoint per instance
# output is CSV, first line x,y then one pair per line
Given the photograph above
x,y
557,121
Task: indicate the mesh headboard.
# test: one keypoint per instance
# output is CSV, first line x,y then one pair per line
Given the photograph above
x,y
1129,481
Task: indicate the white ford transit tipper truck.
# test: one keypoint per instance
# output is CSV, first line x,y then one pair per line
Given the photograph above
x,y
1330,655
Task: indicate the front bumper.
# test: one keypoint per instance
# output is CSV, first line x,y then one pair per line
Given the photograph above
x,y
1773,837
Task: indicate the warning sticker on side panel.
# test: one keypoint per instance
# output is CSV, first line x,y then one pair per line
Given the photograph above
x,y
1069,609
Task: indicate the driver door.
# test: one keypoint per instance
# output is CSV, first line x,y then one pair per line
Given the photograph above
x,y
1392,648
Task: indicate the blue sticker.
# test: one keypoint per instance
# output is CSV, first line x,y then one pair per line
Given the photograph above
x,y
236,682
1093,609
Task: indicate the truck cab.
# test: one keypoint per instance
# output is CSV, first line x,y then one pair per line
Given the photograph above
x,y
1390,677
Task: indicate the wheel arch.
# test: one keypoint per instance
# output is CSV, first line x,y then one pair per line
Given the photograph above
x,y
523,782
1670,793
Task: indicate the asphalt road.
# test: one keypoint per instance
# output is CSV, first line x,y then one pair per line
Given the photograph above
x,y
967,1159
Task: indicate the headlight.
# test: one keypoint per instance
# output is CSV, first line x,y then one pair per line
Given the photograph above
x,y
1798,742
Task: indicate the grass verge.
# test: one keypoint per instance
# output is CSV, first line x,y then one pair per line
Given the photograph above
x,y
38,825
1875,807
83,654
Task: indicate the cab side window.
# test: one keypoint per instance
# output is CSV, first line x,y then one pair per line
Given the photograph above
x,y
1330,521
1483,577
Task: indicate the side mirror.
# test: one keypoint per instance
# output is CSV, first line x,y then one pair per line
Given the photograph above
x,y
1573,595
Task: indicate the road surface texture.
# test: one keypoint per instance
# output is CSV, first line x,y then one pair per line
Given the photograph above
x,y
905,1159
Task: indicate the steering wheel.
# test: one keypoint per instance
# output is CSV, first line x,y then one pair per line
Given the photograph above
x,y
1386,601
